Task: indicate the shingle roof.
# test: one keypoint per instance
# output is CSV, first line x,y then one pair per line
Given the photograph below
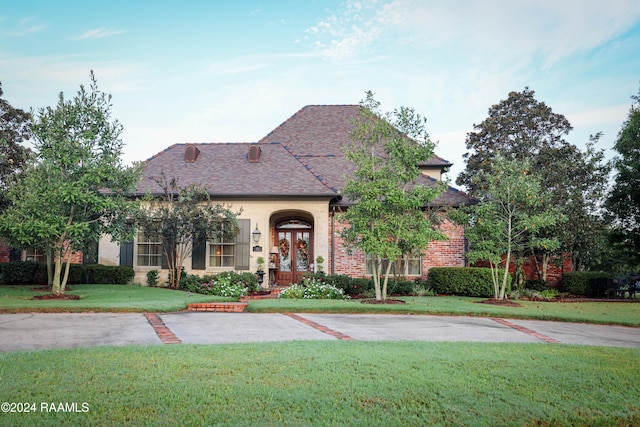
x,y
224,170
303,156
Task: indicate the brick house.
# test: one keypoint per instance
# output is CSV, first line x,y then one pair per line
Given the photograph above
x,y
288,186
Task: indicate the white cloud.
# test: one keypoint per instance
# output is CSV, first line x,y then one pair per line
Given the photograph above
x,y
549,29
99,33
21,27
613,115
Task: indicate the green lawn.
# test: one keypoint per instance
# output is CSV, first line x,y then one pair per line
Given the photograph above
x,y
618,313
324,382
328,383
101,298
141,298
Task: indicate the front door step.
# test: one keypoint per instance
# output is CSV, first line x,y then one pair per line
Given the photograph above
x,y
220,307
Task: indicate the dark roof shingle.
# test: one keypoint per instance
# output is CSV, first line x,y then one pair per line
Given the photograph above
x,y
303,156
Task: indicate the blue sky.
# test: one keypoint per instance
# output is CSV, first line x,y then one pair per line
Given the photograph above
x,y
231,71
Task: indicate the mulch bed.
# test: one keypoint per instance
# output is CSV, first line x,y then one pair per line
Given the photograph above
x,y
387,301
503,302
58,297
259,293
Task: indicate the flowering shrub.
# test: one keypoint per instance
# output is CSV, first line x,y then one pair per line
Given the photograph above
x,y
225,284
313,288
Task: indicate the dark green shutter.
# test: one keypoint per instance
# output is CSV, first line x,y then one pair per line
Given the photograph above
x,y
199,255
243,243
126,253
90,253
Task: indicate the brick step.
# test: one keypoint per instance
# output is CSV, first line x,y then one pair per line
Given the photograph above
x,y
219,307
273,294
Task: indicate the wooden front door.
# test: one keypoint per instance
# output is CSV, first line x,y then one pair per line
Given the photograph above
x,y
294,251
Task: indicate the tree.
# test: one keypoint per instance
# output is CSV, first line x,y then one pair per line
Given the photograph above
x,y
522,128
77,188
502,224
624,200
387,217
14,130
182,217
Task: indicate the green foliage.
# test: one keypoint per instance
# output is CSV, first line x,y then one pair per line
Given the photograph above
x,y
14,130
584,282
387,217
23,273
312,288
363,286
32,273
226,284
463,281
511,218
349,286
77,188
534,295
624,199
180,216
152,277
524,129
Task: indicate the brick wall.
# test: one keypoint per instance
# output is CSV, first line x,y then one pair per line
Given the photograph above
x,y
5,250
446,253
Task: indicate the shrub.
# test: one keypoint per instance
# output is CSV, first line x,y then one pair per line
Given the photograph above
x,y
536,285
152,278
105,274
587,283
400,287
313,288
348,285
463,281
32,273
23,273
226,284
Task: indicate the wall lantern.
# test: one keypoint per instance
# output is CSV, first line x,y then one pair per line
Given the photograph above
x,y
256,234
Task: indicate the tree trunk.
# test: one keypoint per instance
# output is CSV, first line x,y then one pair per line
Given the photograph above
x,y
386,281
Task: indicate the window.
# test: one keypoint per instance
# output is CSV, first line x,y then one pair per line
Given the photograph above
x,y
36,255
149,250
191,154
222,252
408,265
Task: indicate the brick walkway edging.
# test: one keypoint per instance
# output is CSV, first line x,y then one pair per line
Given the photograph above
x,y
527,331
165,334
319,327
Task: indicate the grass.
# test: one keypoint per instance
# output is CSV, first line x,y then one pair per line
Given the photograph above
x,y
125,298
141,298
328,383
612,313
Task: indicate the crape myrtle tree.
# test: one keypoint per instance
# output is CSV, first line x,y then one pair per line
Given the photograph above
x,y
182,217
623,202
387,218
14,131
510,217
525,129
77,187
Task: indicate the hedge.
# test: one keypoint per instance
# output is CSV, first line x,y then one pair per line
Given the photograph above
x,y
33,273
587,283
463,281
362,286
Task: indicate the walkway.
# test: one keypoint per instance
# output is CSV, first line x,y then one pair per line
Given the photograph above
x,y
34,331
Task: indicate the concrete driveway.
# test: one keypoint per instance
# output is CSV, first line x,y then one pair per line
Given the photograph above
x,y
30,331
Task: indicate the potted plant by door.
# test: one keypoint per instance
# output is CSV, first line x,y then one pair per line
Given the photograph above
x,y
260,272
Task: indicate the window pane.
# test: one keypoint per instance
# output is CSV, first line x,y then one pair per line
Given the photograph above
x,y
413,267
149,250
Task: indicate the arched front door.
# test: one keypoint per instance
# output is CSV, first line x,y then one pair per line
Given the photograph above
x,y
294,239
